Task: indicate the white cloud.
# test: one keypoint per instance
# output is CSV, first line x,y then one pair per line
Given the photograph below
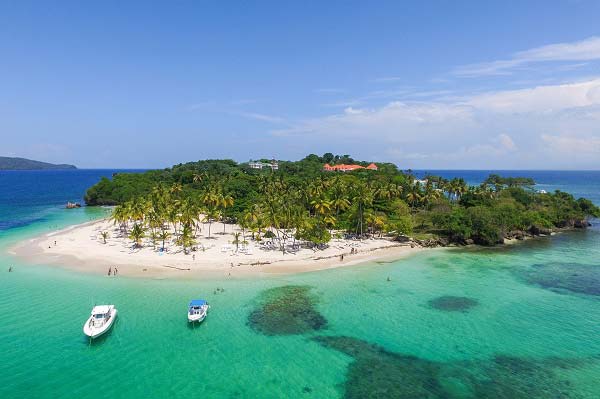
x,y
527,128
584,50
541,98
352,111
505,142
576,145
587,49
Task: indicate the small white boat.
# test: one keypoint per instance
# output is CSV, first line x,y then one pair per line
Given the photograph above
x,y
101,320
197,310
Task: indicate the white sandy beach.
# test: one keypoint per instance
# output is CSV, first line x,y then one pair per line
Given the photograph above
x,y
81,248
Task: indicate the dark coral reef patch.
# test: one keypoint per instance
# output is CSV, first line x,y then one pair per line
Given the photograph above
x,y
378,373
287,310
564,277
449,303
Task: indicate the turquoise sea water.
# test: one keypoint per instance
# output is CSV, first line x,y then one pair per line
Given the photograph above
x,y
518,322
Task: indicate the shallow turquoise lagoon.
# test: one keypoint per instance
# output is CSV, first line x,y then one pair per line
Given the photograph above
x,y
517,322
547,329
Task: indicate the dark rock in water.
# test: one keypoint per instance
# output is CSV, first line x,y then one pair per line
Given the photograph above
x,y
286,310
402,238
450,303
537,231
581,224
443,241
573,277
378,373
433,242
515,234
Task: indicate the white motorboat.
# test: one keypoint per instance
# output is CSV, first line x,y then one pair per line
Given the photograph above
x,y
197,310
101,320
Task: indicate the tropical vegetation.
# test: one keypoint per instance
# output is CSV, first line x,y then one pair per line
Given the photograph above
x,y
301,204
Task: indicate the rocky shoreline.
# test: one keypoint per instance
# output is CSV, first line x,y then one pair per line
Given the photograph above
x,y
519,235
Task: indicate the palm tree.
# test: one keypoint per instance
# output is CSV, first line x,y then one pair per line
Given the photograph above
x,y
176,189
321,206
139,208
339,196
375,221
172,213
198,177
414,196
211,214
225,202
163,236
154,238
330,220
212,201
136,234
255,218
363,197
120,215
188,213
236,240
186,238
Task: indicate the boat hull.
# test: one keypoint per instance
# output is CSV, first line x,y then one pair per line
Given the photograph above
x,y
95,332
198,317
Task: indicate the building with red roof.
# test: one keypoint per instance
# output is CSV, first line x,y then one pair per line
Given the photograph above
x,y
347,168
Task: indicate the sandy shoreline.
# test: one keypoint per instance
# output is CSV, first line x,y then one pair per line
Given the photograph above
x,y
81,248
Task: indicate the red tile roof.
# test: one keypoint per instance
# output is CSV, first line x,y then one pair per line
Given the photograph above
x,y
346,168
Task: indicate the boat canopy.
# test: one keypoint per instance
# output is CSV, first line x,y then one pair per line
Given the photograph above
x,y
101,309
197,302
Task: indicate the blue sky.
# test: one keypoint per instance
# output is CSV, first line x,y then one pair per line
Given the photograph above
x,y
437,84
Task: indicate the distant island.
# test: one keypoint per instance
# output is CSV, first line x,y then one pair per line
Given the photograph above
x,y
7,163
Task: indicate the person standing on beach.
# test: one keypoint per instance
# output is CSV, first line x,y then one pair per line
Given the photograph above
x,y
116,271
109,270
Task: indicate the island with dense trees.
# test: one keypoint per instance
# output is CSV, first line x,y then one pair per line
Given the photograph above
x,y
301,201
8,163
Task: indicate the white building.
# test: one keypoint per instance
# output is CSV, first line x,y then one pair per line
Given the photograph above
x,y
274,165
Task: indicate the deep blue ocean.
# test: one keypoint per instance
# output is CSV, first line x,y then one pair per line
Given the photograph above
x,y
31,196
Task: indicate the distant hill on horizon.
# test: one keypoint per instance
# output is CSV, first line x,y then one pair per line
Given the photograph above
x,y
8,163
